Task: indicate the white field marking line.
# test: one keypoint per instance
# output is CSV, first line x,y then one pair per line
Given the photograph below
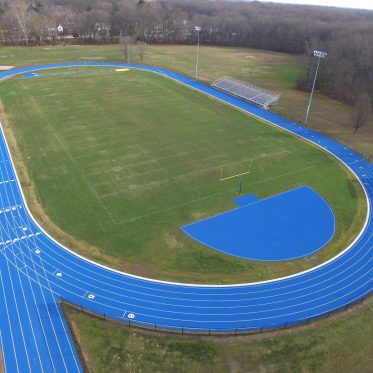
x,y
132,167
234,176
9,323
149,309
81,173
72,347
17,310
48,312
121,302
31,287
280,287
225,307
231,285
99,147
266,156
28,312
7,181
55,305
138,217
27,243
155,182
302,137
222,321
269,318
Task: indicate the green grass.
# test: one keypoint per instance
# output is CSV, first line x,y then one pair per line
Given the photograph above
x,y
121,160
340,344
271,70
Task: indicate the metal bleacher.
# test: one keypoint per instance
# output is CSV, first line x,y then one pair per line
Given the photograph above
x,y
249,92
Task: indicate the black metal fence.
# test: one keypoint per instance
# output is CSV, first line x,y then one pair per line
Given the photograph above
x,y
182,329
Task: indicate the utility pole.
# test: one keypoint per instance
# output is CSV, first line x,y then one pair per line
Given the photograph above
x,y
320,55
198,29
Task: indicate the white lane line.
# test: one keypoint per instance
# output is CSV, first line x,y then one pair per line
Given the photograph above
x,y
236,285
10,326
9,228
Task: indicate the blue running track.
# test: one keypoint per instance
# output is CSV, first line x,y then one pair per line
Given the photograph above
x,y
36,271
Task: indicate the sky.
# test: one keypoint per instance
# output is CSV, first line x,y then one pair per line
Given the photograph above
x,y
359,4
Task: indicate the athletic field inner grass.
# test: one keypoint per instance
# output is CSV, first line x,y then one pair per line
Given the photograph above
x,y
120,160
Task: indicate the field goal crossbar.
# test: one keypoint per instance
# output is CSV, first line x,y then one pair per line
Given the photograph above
x,y
247,91
236,175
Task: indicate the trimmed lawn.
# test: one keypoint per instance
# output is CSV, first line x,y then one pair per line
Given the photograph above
x,y
121,160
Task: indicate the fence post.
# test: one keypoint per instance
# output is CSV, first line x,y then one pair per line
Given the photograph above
x,y
155,327
286,324
328,314
81,307
308,321
235,332
209,331
182,330
261,329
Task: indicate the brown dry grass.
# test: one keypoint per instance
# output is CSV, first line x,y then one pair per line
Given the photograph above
x,y
339,343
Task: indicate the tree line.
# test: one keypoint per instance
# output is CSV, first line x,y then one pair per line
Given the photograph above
x,y
346,35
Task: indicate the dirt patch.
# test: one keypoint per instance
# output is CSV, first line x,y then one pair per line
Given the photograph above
x,y
172,241
6,68
1,362
199,216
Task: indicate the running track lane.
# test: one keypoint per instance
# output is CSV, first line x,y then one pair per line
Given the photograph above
x,y
36,271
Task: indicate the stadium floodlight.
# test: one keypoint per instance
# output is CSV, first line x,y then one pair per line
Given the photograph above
x,y
320,55
198,29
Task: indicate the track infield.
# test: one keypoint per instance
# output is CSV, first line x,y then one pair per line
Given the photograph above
x,y
122,168
36,271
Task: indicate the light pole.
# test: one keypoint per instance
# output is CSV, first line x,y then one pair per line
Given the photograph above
x,y
319,55
198,29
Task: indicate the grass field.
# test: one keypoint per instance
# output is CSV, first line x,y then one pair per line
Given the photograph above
x,y
342,344
271,70
120,161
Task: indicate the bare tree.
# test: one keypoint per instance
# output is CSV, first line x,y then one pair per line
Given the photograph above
x,y
10,30
37,22
361,111
141,49
19,8
125,46
345,34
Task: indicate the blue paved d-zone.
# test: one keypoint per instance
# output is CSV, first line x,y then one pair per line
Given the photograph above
x,y
245,199
286,226
36,271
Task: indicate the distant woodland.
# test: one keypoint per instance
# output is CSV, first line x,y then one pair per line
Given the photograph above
x,y
346,35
